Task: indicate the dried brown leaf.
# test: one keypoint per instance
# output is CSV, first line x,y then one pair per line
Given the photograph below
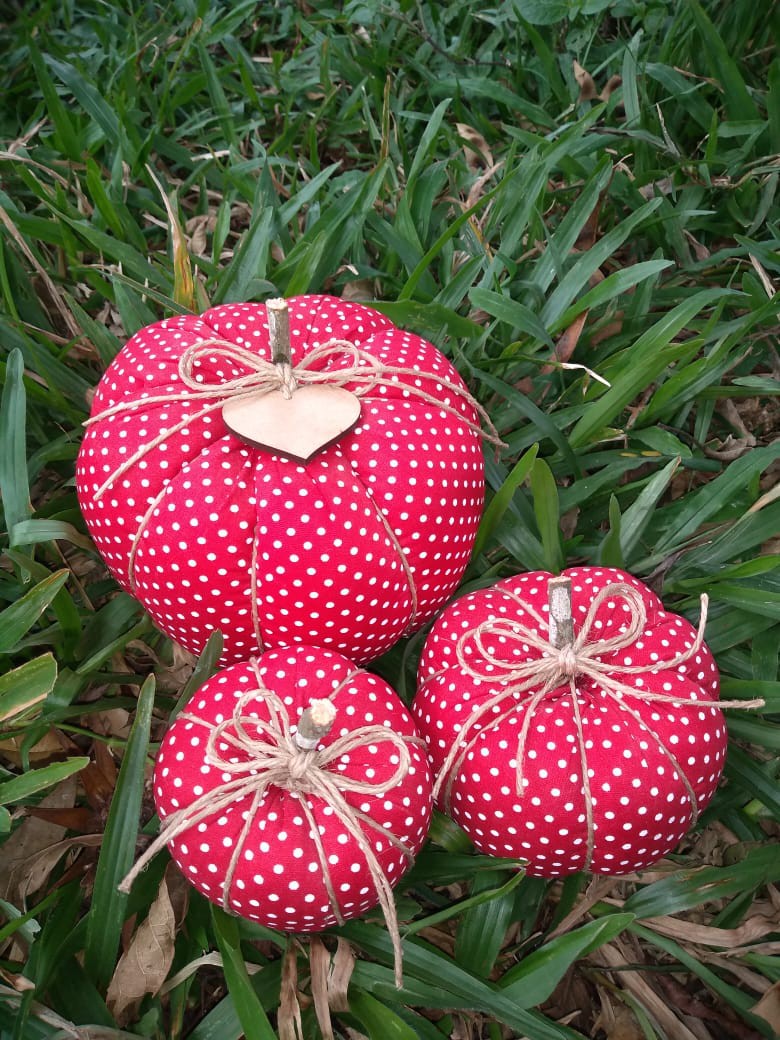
x,y
75,819
115,723
731,413
750,931
289,1015
340,974
19,982
39,866
144,966
476,150
618,1023
52,745
736,969
24,140
700,251
183,289
359,289
768,1007
764,278
608,331
732,448
478,187
99,778
319,962
30,838
567,342
610,87
178,892
698,1013
463,1028
598,890
613,956
585,82
197,229
665,186
569,521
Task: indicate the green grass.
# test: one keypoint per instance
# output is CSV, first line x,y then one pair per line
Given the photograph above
x,y
320,147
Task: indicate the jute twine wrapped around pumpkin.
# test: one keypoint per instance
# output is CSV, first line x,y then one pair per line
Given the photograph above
x,y
565,659
271,753
357,368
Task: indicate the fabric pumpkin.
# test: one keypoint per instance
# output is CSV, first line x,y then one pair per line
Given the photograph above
x,y
281,844
357,546
652,761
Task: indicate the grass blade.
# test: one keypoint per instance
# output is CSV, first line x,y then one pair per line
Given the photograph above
x,y
19,618
547,512
107,911
739,104
532,981
379,1022
650,355
638,515
14,485
500,502
36,780
26,686
251,1013
686,889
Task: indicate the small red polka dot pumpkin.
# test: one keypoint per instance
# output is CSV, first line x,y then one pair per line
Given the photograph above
x,y
350,549
613,756
297,836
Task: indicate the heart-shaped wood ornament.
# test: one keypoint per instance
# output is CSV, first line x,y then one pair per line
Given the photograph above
x,y
298,426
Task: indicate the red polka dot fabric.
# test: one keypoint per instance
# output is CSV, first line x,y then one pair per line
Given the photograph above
x,y
643,757
278,877
272,551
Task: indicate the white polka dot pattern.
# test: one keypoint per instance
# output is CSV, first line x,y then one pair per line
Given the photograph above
x,y
278,879
641,805
338,544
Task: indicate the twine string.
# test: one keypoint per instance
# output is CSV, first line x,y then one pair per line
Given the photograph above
x,y
363,369
257,754
525,684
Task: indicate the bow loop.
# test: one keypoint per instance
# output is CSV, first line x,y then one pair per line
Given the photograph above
x,y
322,364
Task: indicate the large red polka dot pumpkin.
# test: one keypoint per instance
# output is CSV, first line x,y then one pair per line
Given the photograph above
x,y
295,839
601,766
350,549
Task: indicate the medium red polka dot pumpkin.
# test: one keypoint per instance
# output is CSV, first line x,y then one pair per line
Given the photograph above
x,y
612,777
279,850
351,549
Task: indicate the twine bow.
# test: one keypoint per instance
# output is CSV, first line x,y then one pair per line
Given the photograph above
x,y
527,683
363,370
336,363
258,754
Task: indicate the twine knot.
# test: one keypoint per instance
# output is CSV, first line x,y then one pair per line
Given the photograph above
x,y
298,767
288,384
568,662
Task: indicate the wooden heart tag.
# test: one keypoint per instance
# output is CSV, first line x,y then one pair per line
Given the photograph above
x,y
298,426
297,421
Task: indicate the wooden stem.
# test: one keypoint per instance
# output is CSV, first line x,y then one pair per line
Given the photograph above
x,y
279,331
561,618
315,723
